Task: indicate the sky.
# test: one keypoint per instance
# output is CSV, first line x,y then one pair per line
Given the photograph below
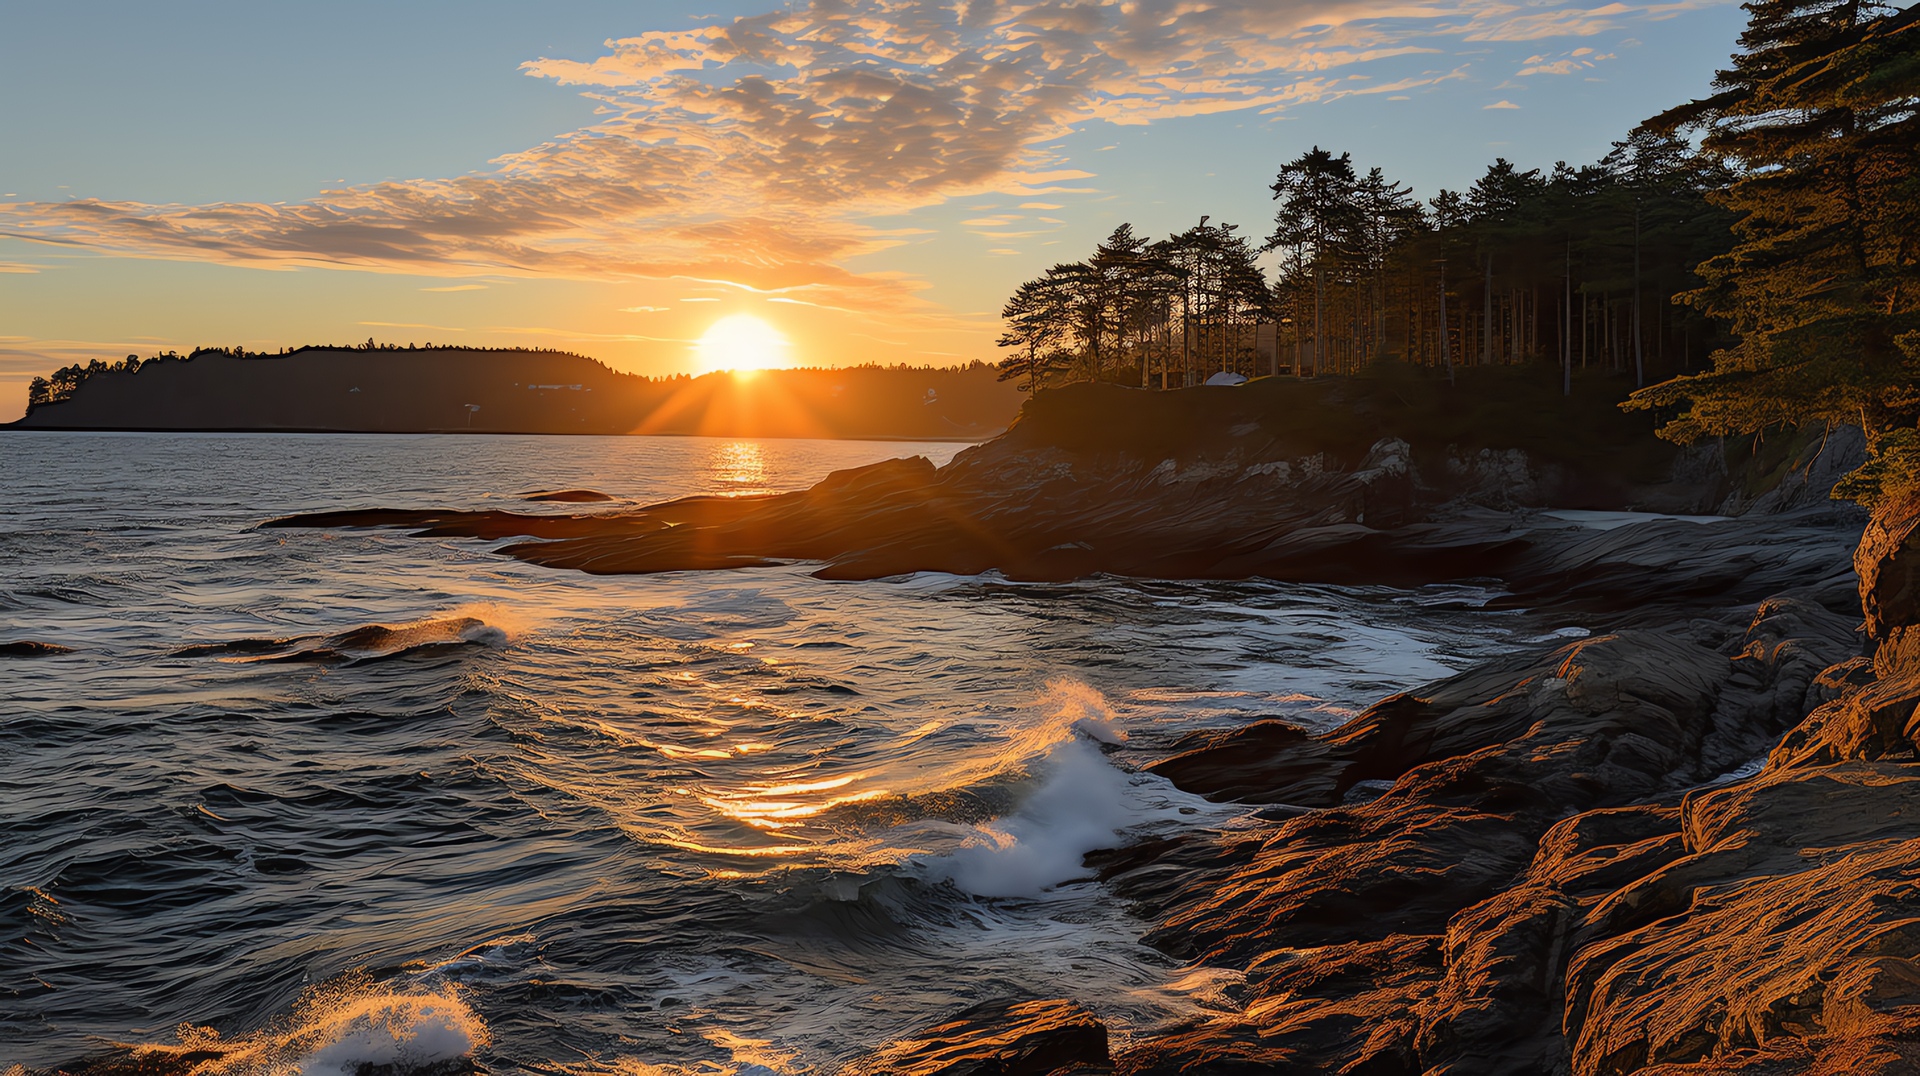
x,y
851,180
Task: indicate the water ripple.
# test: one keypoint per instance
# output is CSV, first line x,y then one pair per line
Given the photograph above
x,y
296,789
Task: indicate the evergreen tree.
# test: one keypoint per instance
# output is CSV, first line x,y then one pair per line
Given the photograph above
x,y
1319,218
1034,322
1818,116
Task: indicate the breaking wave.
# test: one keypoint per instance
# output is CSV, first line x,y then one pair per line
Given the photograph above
x,y
348,1027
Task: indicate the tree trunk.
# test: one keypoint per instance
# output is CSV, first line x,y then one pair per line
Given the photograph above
x,y
1566,329
1319,305
1486,315
1639,366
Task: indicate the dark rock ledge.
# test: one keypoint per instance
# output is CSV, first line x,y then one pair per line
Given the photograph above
x,y
1033,510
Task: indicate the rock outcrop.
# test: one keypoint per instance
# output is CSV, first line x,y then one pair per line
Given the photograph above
x,y
1060,503
1597,860
31,648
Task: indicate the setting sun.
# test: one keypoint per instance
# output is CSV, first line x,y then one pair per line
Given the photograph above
x,y
742,343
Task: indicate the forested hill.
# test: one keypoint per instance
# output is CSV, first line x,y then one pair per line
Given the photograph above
x,y
408,390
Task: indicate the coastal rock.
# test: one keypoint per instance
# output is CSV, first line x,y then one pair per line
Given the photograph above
x,y
566,496
1693,709
1781,938
29,648
1791,918
1887,562
1875,721
1804,478
1052,501
1649,572
998,1038
1496,478
1497,1009
1345,1008
1870,707
1532,799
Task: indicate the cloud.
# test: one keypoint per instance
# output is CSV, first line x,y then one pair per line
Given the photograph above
x,y
1571,63
412,325
756,150
1499,104
459,287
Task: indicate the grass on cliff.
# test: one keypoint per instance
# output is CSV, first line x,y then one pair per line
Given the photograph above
x,y
1500,407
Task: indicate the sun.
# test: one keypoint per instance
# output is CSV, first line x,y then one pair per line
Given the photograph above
x,y
742,343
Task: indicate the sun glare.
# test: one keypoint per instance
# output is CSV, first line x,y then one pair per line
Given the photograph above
x,y
742,343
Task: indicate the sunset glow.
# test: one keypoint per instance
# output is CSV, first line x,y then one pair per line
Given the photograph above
x,y
598,182
744,344
910,536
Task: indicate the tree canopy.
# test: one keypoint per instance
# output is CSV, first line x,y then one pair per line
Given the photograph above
x,y
1769,233
1574,267
1817,121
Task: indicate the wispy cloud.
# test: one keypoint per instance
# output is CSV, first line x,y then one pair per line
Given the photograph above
x,y
1572,63
1498,104
756,150
411,325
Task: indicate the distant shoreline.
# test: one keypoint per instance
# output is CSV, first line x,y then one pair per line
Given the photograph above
x,y
15,427
457,390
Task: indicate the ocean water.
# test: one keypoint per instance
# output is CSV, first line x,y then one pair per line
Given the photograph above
x,y
311,800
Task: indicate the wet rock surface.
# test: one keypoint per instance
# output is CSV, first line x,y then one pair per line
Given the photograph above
x,y
567,496
31,648
1683,851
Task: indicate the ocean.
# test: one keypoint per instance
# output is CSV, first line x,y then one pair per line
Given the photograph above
x,y
310,800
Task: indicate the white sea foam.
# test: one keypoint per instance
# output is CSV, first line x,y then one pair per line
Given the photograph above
x,y
337,1029
1082,802
391,1030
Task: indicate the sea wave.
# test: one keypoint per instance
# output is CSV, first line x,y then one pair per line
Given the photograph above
x,y
350,1026
355,646
708,818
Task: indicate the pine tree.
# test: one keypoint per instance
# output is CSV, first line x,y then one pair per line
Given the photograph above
x,y
1319,217
1034,322
1818,114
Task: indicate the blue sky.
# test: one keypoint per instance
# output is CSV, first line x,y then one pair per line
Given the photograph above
x,y
870,177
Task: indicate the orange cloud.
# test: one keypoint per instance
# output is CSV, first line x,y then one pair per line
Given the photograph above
x,y
752,151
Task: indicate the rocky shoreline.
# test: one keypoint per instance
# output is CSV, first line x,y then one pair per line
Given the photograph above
x,y
1666,852
1679,845
1233,499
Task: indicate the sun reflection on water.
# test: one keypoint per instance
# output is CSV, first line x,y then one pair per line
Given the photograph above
x,y
771,807
738,468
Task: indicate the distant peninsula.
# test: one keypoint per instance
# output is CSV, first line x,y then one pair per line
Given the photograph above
x,y
404,389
